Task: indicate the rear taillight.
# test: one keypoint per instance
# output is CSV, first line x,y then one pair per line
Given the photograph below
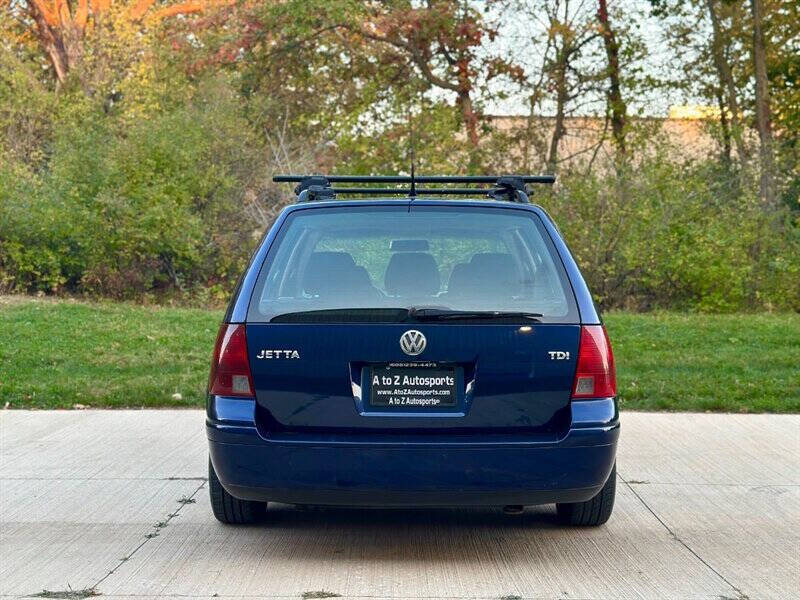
x,y
595,377
230,367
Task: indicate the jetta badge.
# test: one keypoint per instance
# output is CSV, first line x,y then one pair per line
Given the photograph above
x,y
277,354
413,342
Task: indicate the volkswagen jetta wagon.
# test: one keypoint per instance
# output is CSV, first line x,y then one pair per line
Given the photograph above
x,y
413,351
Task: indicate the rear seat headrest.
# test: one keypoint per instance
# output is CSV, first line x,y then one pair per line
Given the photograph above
x,y
329,271
495,269
486,273
459,282
492,260
412,274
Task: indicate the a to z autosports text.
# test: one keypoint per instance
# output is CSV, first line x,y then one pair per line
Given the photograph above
x,y
414,390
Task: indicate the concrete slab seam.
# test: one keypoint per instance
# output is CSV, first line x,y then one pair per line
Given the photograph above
x,y
740,595
154,533
350,597
109,479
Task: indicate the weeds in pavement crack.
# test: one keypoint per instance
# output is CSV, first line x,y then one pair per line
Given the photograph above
x,y
68,594
183,500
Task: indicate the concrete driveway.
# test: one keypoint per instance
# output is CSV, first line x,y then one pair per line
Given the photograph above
x,y
115,502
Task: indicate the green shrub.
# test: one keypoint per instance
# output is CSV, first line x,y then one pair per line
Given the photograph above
x,y
40,248
132,207
142,198
667,235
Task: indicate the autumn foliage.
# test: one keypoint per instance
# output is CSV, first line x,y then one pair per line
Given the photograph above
x,y
138,138
60,27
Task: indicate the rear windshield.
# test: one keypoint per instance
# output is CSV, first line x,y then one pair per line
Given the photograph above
x,y
392,264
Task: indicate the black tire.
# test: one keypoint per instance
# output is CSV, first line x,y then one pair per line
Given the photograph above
x,y
594,511
228,509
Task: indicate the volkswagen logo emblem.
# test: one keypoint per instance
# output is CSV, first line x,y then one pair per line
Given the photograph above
x,y
413,342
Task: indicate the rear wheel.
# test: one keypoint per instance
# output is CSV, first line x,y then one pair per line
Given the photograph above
x,y
228,509
594,511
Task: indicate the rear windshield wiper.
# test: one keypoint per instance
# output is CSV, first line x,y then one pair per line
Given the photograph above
x,y
342,315
440,314
398,315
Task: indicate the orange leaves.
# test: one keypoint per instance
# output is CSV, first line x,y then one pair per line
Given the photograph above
x,y
58,13
138,10
190,7
63,12
60,26
82,13
498,66
45,11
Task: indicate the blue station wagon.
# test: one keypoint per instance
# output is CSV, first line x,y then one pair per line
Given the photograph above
x,y
413,351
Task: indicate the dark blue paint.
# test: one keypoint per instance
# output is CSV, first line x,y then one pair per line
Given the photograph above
x,y
515,383
453,469
514,436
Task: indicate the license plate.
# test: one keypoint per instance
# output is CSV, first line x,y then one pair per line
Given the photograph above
x,y
413,386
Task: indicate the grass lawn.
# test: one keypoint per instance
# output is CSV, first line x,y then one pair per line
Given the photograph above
x,y
56,354
721,363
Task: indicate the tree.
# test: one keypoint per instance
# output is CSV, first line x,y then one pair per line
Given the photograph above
x,y
570,73
727,92
60,26
443,41
616,104
763,113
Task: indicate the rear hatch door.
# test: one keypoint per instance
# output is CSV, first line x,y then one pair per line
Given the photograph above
x,y
342,284
326,376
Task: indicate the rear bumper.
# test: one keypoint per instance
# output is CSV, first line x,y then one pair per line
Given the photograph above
x,y
412,469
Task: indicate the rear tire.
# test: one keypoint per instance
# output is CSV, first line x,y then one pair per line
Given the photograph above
x,y
594,511
228,509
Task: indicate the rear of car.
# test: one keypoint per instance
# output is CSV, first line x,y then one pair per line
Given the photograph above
x,y
412,352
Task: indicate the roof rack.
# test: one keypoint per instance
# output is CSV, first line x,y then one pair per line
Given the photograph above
x,y
505,187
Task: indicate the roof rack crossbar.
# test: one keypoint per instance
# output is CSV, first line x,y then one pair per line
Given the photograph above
x,y
398,191
442,179
506,187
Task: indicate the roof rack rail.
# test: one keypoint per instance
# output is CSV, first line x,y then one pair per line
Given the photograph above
x,y
506,187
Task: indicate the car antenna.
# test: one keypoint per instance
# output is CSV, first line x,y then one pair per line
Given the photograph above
x,y
412,193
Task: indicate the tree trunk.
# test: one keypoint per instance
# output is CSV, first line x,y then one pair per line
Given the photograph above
x,y
726,128
526,139
468,114
561,100
616,104
61,37
52,43
763,116
725,76
469,117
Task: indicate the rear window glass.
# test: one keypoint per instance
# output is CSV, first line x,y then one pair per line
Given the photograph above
x,y
375,264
